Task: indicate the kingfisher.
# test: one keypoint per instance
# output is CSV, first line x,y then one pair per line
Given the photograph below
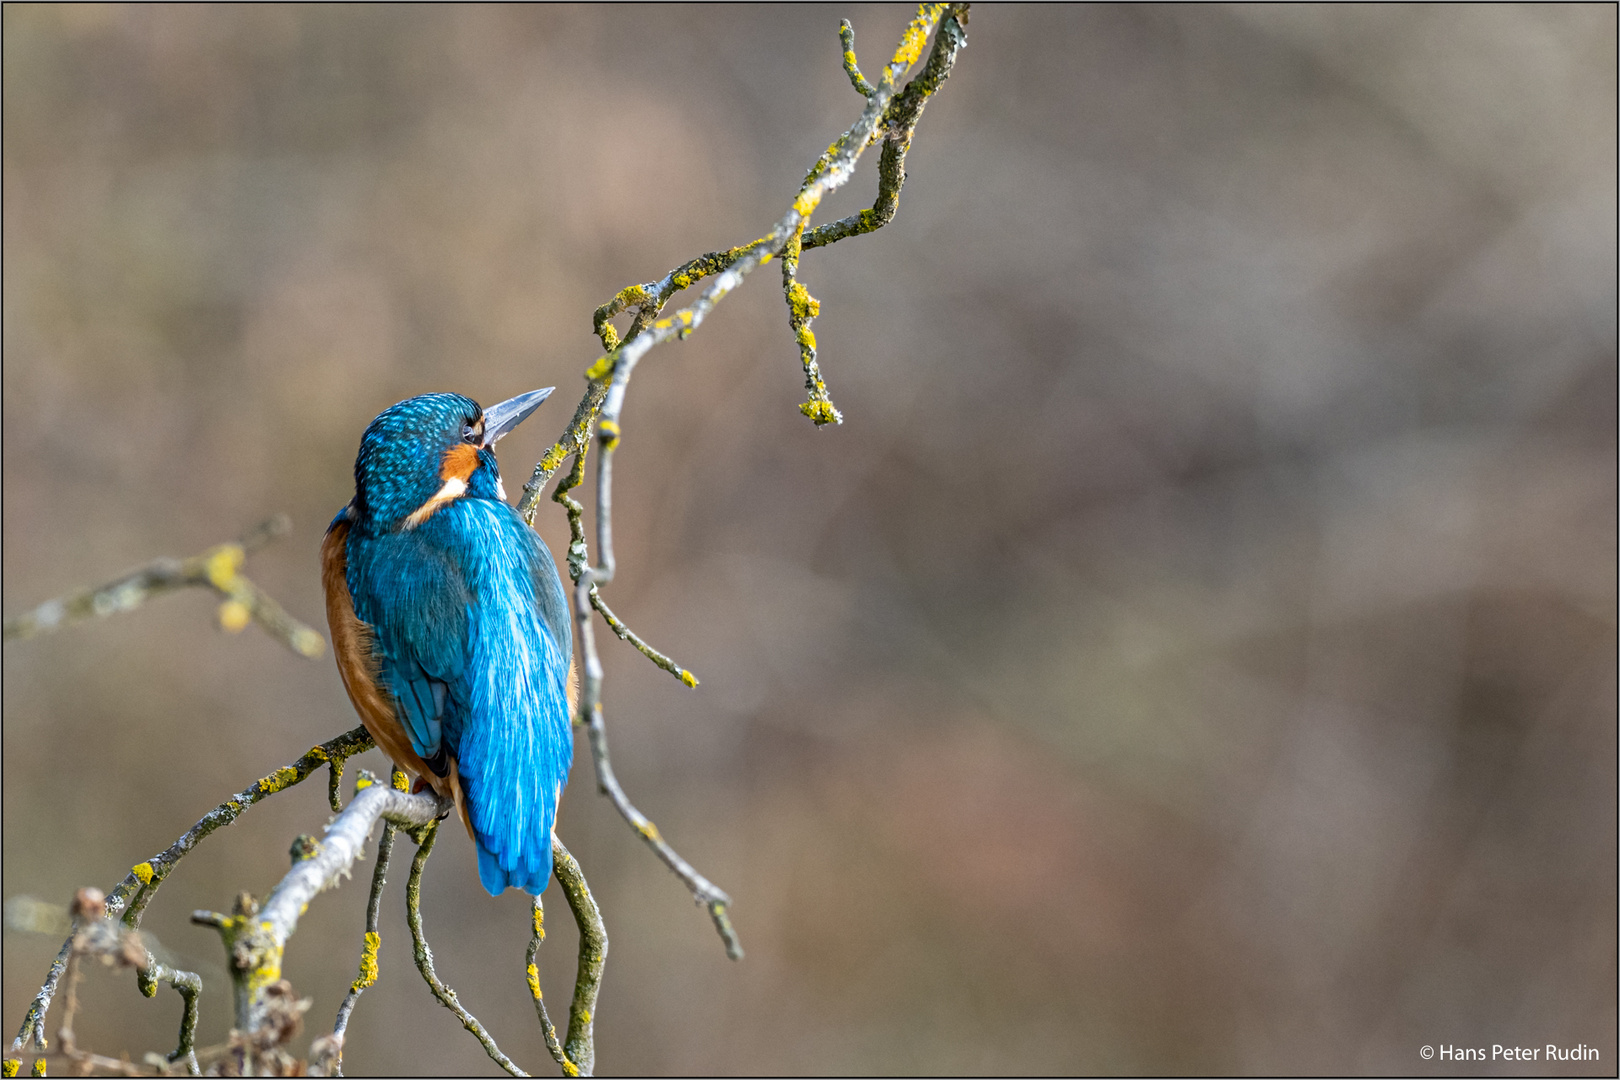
x,y
450,627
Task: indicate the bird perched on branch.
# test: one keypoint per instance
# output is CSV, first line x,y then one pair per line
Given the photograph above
x,y
450,626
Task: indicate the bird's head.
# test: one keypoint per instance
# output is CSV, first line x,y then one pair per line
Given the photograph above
x,y
428,451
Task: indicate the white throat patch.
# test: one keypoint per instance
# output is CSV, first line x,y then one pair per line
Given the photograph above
x,y
454,488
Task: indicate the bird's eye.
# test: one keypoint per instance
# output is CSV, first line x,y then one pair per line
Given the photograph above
x,y
469,433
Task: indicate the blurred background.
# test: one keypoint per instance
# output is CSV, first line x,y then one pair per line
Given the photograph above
x,y
1195,651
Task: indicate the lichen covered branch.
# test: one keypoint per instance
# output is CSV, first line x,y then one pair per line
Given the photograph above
x,y
608,379
189,986
255,936
626,634
130,896
593,948
899,124
576,1057
331,1052
424,955
218,568
852,68
531,972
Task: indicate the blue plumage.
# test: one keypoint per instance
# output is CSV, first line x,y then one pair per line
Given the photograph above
x,y
459,621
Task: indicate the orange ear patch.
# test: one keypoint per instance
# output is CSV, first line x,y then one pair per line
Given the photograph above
x,y
459,463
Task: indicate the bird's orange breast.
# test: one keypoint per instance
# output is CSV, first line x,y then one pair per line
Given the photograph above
x,y
352,645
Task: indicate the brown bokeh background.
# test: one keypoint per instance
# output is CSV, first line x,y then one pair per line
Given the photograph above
x,y
1195,651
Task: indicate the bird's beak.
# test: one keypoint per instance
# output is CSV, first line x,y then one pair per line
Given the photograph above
x,y
502,418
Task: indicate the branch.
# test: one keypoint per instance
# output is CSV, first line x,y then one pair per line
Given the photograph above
x,y
144,879
531,972
704,891
900,123
255,937
217,568
96,937
424,954
846,34
578,1056
626,634
788,239
329,1051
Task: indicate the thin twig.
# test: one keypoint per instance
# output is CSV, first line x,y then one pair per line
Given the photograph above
x,y
578,1057
144,879
424,955
626,634
189,986
900,122
593,949
218,568
531,972
846,34
704,891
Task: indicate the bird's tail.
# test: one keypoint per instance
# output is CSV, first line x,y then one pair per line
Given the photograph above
x,y
530,875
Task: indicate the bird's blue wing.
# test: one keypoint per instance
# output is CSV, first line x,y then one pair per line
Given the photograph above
x,y
415,594
513,736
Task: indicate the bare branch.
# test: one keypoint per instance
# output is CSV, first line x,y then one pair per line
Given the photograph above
x,y
189,986
424,955
626,634
900,122
593,949
531,972
704,891
218,568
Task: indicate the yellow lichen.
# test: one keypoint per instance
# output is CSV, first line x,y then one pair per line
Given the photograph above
x,y
368,962
688,678
539,922
650,831
234,616
222,565
806,338
803,305
278,780
601,369
143,872
609,432
822,412
39,1067
534,982
911,46
318,753
362,781
400,781
10,1067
